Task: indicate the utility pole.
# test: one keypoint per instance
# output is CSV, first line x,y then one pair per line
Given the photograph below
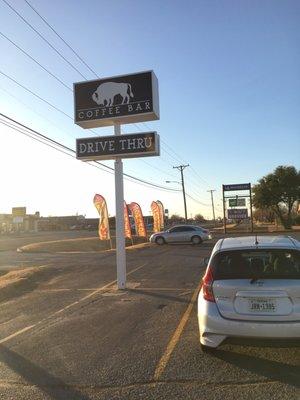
x,y
212,204
181,168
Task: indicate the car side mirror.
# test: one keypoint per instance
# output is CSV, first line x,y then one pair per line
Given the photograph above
x,y
204,262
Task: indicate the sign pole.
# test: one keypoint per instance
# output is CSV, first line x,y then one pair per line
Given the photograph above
x,y
120,233
251,214
224,210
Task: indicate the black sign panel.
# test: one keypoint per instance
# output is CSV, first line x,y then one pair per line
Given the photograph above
x,y
237,213
119,99
239,186
125,146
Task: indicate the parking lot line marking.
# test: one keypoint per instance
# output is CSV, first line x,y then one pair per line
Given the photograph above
x,y
166,289
16,333
161,366
108,285
68,306
184,289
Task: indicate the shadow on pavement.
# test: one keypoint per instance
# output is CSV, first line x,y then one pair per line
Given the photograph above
x,y
274,370
158,295
54,387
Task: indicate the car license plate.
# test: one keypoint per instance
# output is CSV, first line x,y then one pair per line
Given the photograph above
x,y
262,305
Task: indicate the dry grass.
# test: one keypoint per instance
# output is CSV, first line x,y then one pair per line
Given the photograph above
x,y
18,276
77,245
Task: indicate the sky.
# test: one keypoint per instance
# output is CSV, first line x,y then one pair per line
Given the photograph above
x,y
229,92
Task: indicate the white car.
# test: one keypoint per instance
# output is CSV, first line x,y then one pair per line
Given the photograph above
x,y
181,233
251,289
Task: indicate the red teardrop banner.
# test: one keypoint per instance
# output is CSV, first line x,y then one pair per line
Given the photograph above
x,y
161,214
138,219
156,216
100,204
127,226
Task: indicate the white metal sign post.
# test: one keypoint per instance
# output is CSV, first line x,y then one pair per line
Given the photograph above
x,y
113,101
120,234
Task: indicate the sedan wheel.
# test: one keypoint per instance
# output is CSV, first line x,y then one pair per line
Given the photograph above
x,y
160,240
196,240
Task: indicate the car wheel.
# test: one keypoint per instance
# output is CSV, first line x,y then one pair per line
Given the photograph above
x,y
196,240
160,240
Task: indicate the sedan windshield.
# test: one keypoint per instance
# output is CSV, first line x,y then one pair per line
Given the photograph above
x,y
254,264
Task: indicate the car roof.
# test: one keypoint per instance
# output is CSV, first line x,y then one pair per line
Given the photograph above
x,y
257,242
185,225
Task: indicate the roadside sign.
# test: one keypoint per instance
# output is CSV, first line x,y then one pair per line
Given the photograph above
x,y
237,213
239,186
121,99
237,202
18,211
125,146
117,100
18,220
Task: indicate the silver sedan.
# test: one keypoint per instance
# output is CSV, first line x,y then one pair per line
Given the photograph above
x,y
181,233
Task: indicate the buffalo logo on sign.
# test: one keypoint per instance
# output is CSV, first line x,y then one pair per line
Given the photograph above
x,y
107,92
120,99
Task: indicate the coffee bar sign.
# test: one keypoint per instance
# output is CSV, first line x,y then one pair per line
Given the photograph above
x,y
115,101
122,99
125,146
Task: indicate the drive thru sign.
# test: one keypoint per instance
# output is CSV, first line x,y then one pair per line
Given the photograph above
x,y
125,146
111,101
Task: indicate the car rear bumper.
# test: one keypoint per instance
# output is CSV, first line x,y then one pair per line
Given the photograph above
x,y
214,329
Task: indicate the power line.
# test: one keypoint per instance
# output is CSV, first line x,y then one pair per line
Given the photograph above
x,y
178,158
52,105
34,94
54,142
67,115
34,138
158,169
49,72
197,201
43,38
198,176
197,196
35,61
64,58
61,38
34,111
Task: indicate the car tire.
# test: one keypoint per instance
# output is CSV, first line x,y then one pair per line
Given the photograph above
x,y
196,240
160,240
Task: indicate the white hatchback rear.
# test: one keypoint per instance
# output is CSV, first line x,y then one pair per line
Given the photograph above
x,y
251,288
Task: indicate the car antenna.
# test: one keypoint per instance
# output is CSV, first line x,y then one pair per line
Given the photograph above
x,y
256,241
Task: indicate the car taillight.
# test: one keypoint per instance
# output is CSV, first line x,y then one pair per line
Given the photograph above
x,y
207,283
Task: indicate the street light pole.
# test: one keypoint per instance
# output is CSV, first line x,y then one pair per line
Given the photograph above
x,y
181,168
212,204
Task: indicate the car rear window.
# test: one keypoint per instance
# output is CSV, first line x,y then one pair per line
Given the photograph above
x,y
273,264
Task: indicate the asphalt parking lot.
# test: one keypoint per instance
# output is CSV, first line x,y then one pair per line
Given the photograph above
x,y
69,334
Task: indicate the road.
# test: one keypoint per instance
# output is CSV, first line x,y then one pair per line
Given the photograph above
x,y
69,334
